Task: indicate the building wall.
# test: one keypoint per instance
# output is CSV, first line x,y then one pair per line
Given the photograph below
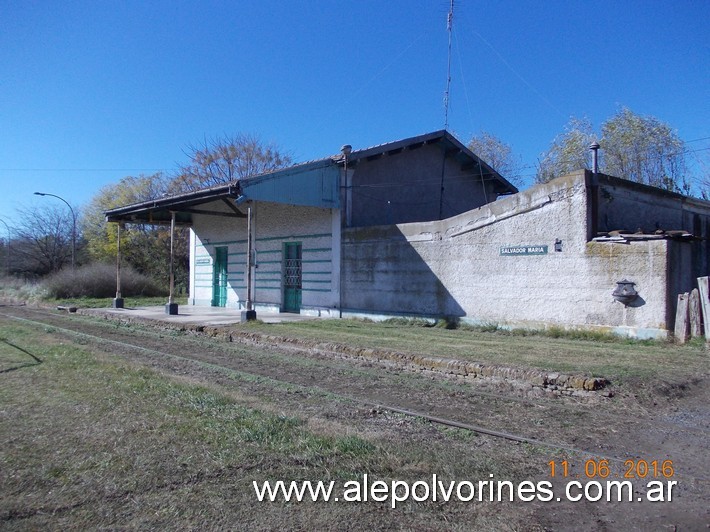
x,y
316,229
631,206
469,267
406,187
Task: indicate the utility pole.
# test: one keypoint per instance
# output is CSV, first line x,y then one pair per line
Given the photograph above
x,y
449,27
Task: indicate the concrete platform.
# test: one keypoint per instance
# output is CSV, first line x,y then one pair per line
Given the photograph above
x,y
212,316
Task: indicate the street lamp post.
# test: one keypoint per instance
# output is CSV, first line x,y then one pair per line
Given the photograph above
x,y
73,226
9,237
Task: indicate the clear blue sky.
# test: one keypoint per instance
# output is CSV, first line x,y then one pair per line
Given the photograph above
x,y
93,91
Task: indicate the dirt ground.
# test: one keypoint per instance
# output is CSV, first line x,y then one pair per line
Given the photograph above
x,y
664,423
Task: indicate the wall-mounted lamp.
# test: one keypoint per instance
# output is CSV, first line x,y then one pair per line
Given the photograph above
x,y
625,292
558,244
240,199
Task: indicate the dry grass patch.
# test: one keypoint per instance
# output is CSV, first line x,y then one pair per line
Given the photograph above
x,y
90,441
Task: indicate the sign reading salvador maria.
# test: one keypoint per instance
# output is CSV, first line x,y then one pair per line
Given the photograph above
x,y
523,250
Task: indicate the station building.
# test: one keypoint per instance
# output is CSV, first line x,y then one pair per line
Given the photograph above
x,y
422,227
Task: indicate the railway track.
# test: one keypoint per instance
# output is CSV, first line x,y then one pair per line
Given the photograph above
x,y
536,422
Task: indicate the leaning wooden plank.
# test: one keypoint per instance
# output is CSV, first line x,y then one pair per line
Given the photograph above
x,y
681,319
704,304
694,316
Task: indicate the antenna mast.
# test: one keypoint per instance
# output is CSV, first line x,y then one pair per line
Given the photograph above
x,y
449,27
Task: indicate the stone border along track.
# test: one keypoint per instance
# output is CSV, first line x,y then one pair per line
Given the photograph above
x,y
555,383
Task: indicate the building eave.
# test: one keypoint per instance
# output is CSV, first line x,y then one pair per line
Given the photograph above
x,y
159,210
449,143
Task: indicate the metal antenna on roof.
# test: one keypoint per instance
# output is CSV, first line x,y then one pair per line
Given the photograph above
x,y
449,27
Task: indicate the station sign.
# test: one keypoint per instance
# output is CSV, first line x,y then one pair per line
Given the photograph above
x,y
515,251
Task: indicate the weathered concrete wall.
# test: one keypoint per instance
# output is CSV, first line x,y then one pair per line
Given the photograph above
x,y
406,187
466,267
632,206
316,229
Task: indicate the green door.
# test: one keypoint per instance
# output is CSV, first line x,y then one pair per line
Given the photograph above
x,y
292,277
219,278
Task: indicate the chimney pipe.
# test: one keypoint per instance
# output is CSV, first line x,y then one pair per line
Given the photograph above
x,y
594,146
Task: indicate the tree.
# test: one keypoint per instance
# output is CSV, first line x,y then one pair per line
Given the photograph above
x,y
645,150
42,242
100,235
145,247
702,160
498,155
226,159
568,152
634,147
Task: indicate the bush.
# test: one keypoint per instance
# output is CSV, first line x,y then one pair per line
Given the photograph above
x,y
16,290
99,280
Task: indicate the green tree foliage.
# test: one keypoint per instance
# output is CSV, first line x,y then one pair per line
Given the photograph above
x,y
99,234
568,152
498,155
635,147
145,247
645,150
226,159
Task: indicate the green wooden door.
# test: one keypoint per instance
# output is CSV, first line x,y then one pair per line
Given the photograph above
x,y
293,277
219,278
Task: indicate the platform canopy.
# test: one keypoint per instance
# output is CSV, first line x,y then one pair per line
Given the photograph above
x,y
313,184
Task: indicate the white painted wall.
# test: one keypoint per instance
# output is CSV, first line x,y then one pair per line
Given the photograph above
x,y
273,225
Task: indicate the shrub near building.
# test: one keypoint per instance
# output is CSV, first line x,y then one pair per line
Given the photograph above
x,y
99,280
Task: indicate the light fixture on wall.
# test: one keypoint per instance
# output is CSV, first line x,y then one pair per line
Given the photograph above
x,y
625,292
240,199
558,244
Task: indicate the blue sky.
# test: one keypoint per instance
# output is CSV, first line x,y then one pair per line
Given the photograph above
x,y
93,91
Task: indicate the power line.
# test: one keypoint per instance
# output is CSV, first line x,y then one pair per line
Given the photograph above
x,y
519,76
463,79
83,170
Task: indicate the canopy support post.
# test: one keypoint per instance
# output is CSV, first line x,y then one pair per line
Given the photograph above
x,y
118,300
172,308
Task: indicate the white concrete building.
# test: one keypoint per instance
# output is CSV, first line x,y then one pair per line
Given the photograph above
x,y
419,228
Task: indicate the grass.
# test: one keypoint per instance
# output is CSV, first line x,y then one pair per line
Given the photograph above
x,y
106,302
617,359
88,440
18,290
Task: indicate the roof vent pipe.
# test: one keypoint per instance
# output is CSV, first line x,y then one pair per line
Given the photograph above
x,y
594,146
